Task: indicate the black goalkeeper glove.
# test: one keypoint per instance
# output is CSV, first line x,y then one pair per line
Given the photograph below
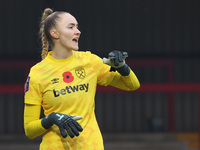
x,y
64,122
116,60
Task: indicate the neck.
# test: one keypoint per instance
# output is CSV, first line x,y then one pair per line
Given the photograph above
x,y
61,53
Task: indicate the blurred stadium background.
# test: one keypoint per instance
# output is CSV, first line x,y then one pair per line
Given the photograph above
x,y
162,38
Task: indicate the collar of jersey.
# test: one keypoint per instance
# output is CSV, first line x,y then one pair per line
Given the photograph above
x,y
57,61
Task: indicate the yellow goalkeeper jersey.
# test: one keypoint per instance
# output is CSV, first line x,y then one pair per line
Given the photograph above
x,y
69,86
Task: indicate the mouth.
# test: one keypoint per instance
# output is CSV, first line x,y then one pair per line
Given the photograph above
x,y
75,40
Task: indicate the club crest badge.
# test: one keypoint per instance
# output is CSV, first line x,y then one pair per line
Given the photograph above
x,y
80,73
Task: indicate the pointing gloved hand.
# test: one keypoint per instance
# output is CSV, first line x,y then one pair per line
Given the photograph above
x,y
116,60
64,122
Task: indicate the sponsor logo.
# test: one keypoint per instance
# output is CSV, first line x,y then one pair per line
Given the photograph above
x,y
80,73
71,89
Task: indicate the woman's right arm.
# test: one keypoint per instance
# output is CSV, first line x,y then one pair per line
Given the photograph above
x,y
32,121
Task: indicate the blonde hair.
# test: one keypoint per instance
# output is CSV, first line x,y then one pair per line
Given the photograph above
x,y
48,21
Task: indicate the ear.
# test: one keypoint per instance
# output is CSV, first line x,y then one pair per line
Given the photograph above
x,y
54,34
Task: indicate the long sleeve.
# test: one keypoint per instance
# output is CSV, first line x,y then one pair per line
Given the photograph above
x,y
32,121
105,77
128,83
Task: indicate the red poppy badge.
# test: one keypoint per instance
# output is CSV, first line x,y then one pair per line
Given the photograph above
x,y
67,77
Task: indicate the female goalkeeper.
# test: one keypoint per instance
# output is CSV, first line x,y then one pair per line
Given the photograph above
x,y
64,84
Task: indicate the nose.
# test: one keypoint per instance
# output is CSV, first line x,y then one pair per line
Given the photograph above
x,y
77,32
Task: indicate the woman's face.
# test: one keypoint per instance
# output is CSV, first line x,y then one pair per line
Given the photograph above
x,y
67,32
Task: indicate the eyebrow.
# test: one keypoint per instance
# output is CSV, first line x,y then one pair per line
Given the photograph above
x,y
74,24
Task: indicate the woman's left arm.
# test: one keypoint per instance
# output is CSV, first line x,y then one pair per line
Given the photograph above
x,y
128,83
123,77
114,71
